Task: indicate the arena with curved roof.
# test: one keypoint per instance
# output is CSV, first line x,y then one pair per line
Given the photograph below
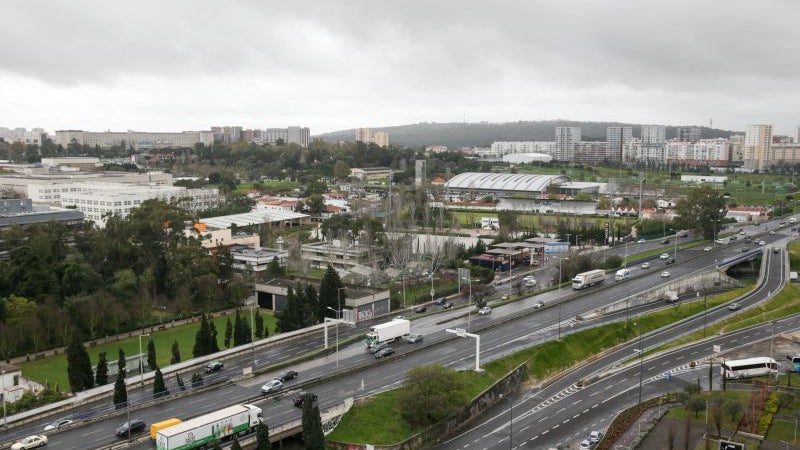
x,y
502,184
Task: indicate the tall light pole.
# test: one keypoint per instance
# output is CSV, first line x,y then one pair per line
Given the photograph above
x,y
641,362
141,365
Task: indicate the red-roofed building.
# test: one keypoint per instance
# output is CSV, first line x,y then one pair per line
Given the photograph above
x,y
747,213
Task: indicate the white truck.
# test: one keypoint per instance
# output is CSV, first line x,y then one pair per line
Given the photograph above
x,y
622,274
587,279
205,430
388,332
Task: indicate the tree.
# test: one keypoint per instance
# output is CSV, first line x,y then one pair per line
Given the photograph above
x,y
341,171
228,333
259,326
213,343
79,367
435,389
316,204
101,372
702,209
241,330
159,387
151,354
202,338
236,445
715,410
695,405
329,292
733,409
262,436
313,437
121,361
120,391
176,353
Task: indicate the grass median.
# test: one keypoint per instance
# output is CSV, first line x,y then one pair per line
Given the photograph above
x,y
378,421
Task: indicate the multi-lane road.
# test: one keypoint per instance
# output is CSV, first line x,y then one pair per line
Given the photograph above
x,y
507,329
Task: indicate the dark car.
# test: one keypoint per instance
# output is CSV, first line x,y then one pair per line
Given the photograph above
x,y
214,366
441,301
420,309
670,261
448,305
384,352
665,241
135,426
300,398
288,375
378,347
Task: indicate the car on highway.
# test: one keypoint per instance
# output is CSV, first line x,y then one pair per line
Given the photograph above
x,y
744,249
286,376
664,256
782,223
420,309
645,265
595,436
707,249
135,426
448,305
384,352
771,232
538,305
440,301
484,311
37,440
762,243
641,241
214,366
669,261
585,445
665,241
378,347
734,306
299,399
271,386
58,424
413,338
665,274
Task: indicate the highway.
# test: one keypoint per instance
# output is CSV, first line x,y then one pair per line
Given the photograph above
x,y
518,333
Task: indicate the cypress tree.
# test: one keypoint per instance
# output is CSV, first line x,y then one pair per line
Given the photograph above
x,y
312,306
202,338
120,360
259,326
312,425
228,333
101,373
159,387
213,344
266,330
329,292
262,436
176,353
151,355
238,331
79,366
120,392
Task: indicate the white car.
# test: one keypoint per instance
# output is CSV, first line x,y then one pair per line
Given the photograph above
x,y
665,274
762,243
57,424
707,249
484,311
664,256
595,436
734,306
641,241
272,386
771,233
37,440
645,265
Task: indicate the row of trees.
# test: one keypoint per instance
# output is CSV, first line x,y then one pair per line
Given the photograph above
x,y
305,307
107,280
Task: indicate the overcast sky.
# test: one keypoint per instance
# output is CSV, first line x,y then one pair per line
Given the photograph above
x,y
331,65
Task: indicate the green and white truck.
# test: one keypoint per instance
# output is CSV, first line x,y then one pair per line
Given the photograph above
x,y
203,431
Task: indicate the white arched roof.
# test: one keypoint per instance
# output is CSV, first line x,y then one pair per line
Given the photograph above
x,y
504,181
524,158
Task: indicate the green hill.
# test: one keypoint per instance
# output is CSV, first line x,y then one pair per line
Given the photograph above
x,y
483,134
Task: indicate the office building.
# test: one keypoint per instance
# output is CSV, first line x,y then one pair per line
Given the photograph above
x,y
33,137
616,137
757,143
298,135
48,189
363,135
227,135
653,144
688,134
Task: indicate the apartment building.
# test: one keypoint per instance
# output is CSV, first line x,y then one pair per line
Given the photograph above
x,y
616,138
757,144
565,140
653,144
139,140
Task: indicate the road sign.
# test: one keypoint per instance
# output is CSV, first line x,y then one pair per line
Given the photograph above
x,y
725,445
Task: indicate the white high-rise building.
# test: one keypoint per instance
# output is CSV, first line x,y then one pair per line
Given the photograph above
x,y
566,138
757,142
380,138
616,137
298,135
364,135
653,144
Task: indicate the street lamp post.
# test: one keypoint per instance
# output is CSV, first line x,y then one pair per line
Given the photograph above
x,y
3,395
141,365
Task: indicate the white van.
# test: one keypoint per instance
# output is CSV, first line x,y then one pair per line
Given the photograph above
x,y
622,274
792,220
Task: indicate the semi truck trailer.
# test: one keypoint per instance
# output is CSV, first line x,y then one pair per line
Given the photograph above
x,y
388,332
204,430
587,279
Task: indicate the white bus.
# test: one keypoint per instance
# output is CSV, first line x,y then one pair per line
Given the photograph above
x,y
750,367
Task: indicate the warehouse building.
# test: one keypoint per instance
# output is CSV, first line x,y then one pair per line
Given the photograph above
x,y
476,185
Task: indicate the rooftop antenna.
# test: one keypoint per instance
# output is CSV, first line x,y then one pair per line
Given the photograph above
x,y
711,123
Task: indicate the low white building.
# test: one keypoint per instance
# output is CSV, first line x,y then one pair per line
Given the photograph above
x,y
109,200
11,388
48,189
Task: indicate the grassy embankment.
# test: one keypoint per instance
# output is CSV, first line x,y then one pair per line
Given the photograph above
x,y
53,369
360,424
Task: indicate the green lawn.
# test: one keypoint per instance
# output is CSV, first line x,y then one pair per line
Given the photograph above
x,y
742,397
53,369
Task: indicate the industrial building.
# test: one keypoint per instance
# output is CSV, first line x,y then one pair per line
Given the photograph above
x,y
502,184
